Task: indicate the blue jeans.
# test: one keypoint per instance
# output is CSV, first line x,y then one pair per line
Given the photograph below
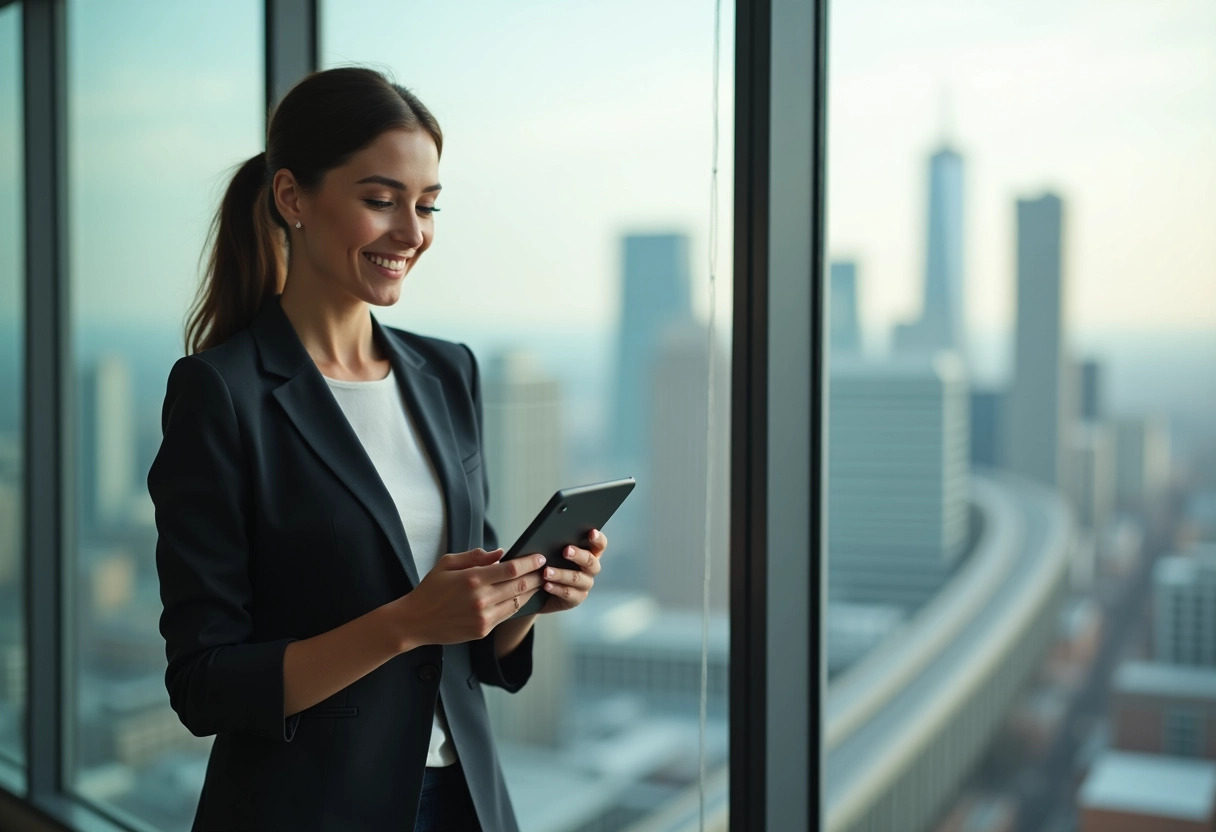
x,y
446,805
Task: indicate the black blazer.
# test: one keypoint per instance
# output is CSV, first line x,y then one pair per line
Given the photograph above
x,y
274,526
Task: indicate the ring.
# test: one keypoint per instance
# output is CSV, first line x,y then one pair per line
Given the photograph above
x,y
515,598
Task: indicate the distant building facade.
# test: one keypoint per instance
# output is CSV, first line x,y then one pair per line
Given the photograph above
x,y
1041,398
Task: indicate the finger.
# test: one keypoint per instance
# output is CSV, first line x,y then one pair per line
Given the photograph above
x,y
570,596
508,607
576,555
569,577
598,542
509,570
506,590
589,562
467,560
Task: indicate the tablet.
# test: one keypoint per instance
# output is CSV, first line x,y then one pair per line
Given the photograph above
x,y
565,521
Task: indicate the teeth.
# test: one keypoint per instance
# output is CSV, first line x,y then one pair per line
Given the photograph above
x,y
395,265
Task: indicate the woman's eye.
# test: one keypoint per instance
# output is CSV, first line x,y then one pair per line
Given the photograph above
x,y
377,203
427,210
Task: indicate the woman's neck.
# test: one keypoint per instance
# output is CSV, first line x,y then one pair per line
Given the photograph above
x,y
337,335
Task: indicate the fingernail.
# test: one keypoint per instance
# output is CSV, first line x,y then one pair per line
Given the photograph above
x,y
548,573
569,551
540,560
595,533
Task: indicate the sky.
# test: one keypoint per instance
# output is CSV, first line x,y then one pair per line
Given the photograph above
x,y
569,124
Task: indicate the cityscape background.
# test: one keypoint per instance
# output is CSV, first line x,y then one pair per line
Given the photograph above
x,y
1021,512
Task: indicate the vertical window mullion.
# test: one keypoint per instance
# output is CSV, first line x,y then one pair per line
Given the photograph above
x,y
47,387
777,652
291,46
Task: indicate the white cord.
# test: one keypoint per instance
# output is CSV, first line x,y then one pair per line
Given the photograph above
x,y
709,417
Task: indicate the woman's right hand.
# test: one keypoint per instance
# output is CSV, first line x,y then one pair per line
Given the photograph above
x,y
464,597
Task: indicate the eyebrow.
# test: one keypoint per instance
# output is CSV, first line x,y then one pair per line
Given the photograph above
x,y
393,183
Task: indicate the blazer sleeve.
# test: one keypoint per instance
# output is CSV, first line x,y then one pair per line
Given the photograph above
x,y
217,679
514,669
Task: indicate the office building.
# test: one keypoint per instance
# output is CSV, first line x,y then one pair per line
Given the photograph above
x,y
1040,399
655,293
107,442
1093,391
1090,481
525,463
525,455
942,320
844,320
1184,607
680,470
1165,709
988,427
1127,792
898,477
1142,464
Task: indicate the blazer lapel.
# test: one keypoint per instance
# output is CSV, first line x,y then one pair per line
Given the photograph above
x,y
312,408
425,399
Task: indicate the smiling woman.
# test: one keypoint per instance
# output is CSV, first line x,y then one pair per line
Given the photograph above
x,y
333,596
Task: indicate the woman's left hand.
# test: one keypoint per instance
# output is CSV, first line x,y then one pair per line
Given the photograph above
x,y
568,588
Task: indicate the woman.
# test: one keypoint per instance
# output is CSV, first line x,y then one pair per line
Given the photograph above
x,y
333,599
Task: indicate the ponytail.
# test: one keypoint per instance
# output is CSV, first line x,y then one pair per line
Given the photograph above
x,y
245,264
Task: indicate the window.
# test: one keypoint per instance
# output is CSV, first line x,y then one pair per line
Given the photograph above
x,y
1183,733
12,391
571,255
992,220
163,99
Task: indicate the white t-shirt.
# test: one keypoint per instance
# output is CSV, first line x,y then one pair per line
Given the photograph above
x,y
382,421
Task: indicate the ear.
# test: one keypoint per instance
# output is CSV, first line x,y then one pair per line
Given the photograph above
x,y
288,197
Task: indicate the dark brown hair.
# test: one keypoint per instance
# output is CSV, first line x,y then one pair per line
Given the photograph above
x,y
321,122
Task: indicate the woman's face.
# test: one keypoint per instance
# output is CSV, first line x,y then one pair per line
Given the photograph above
x,y
371,219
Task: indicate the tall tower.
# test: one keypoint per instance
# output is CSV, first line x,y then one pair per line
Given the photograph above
x,y
656,294
107,448
843,319
1041,398
525,463
941,322
679,465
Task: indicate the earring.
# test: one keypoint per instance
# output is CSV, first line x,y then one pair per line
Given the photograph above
x,y
297,223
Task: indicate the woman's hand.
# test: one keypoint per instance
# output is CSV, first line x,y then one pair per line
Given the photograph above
x,y
568,588
464,597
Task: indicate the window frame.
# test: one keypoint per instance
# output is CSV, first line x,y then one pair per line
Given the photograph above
x,y
777,656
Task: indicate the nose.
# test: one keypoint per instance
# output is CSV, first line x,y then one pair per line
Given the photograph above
x,y
409,231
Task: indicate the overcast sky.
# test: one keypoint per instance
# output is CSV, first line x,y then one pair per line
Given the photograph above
x,y
568,124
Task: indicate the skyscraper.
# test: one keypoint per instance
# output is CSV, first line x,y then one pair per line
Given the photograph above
x,y
941,324
523,440
1184,607
1093,402
843,319
898,477
525,462
107,451
1142,461
656,293
1041,400
679,465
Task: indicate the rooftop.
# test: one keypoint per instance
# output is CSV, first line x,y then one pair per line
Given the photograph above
x,y
1146,784
1161,679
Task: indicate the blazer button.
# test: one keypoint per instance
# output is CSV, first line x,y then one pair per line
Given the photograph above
x,y
428,673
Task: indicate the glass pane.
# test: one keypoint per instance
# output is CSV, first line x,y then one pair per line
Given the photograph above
x,y
163,99
12,390
1022,328
571,256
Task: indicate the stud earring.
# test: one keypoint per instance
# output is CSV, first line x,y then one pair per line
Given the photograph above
x,y
297,223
